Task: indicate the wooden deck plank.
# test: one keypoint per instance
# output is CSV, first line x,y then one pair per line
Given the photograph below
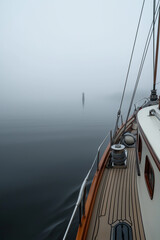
x,y
132,205
120,197
113,196
104,206
123,207
117,201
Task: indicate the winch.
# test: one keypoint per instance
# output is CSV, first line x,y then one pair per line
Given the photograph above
x,y
118,156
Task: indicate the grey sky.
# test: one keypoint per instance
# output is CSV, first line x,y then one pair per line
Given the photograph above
x,y
53,48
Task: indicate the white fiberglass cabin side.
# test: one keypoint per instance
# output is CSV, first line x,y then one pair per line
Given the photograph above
x,y
149,162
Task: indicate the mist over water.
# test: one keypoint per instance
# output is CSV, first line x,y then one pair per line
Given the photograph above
x,y
44,158
46,152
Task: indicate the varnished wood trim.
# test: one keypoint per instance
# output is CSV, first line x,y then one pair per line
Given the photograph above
x,y
154,156
83,229
150,190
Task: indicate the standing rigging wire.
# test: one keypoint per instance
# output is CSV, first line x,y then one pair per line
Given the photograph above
x,y
143,60
153,96
147,42
129,66
153,41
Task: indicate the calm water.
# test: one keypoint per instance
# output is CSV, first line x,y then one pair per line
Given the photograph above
x,y
45,154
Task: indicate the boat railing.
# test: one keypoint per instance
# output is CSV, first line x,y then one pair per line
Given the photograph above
x,y
145,100
83,189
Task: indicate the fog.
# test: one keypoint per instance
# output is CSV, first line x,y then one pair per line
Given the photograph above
x,y
51,51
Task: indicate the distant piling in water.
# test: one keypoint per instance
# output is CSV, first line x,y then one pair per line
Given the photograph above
x,y
83,99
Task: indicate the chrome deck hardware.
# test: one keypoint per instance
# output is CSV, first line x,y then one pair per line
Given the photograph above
x,y
153,112
118,156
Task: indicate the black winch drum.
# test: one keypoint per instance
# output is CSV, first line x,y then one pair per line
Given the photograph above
x,y
118,155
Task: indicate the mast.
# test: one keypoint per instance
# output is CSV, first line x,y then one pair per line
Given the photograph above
x,y
153,96
157,50
153,41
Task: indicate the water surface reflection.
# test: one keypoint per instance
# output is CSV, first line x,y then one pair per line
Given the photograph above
x,y
45,155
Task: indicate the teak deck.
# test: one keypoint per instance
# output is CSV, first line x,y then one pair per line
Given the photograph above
x,y
117,201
